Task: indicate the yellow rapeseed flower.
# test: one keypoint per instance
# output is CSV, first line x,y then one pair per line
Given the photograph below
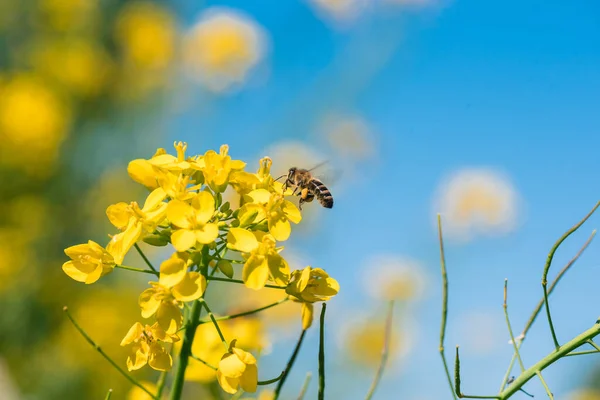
x,y
244,182
309,286
218,167
192,221
263,261
147,347
88,262
236,369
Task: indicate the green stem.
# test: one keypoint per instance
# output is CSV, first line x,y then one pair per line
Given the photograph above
x,y
594,345
108,394
162,380
148,263
186,351
103,354
548,392
512,337
289,365
321,395
305,386
215,278
457,388
269,381
551,358
384,351
146,271
444,305
547,268
245,313
203,362
214,321
581,353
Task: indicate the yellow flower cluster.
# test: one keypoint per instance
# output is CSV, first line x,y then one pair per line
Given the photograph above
x,y
185,208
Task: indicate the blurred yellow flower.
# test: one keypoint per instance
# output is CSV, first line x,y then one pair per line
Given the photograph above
x,y
34,117
223,47
236,369
88,262
146,347
138,394
339,12
363,342
192,221
71,15
146,33
391,277
349,136
584,394
477,201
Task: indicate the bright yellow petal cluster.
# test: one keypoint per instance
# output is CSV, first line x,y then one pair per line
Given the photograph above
x,y
236,369
217,168
192,221
88,262
147,347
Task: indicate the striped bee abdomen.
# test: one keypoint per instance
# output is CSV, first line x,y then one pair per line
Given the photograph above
x,y
321,192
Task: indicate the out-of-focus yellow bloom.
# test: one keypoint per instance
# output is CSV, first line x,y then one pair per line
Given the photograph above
x,y
88,262
138,394
193,221
584,394
218,167
265,394
263,261
147,347
134,221
146,33
261,205
82,66
71,15
349,136
222,48
32,116
363,342
236,369
339,11
309,286
391,277
474,201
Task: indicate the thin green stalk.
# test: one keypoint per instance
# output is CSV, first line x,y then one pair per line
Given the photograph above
x,y
245,313
106,356
289,365
547,268
540,304
215,323
215,278
305,386
209,365
512,337
160,384
269,381
548,392
384,351
594,345
141,253
444,305
581,353
322,354
146,271
457,388
550,359
186,351
108,394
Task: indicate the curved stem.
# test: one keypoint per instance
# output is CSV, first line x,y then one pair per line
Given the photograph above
x,y
203,362
321,395
215,278
289,365
457,388
214,321
269,381
141,253
245,313
384,351
146,271
510,332
304,386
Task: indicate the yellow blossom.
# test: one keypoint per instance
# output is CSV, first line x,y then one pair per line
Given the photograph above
x,y
135,393
193,221
218,167
309,286
88,262
263,261
236,369
244,182
263,205
147,347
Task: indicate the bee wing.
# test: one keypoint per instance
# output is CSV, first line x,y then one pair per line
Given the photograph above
x,y
330,176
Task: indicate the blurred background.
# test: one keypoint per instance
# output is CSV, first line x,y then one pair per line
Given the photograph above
x,y
486,112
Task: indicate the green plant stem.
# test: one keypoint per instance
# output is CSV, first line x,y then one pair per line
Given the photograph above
x,y
269,381
581,353
594,345
148,263
321,395
106,356
384,351
160,384
540,304
108,394
444,304
305,386
203,362
289,365
215,323
245,313
547,268
551,358
215,278
146,271
186,351
457,388
548,392
512,337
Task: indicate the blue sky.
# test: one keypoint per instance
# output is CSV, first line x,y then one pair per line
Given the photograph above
x,y
512,85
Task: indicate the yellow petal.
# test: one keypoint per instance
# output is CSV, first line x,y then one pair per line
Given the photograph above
x,y
190,288
134,333
159,360
307,315
180,213
304,279
148,302
280,227
94,275
119,215
204,205
137,358
251,213
169,317
172,271
228,385
154,199
291,211
261,196
249,379
278,269
183,239
255,272
207,234
143,172
77,271
241,240
244,356
231,366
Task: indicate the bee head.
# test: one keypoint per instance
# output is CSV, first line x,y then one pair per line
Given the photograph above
x,y
291,172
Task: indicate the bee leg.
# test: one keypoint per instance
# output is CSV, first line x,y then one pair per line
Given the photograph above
x,y
300,203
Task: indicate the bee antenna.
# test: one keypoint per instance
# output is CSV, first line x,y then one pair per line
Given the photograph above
x,y
284,175
319,164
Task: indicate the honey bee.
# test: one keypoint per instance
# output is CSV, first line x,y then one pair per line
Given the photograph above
x,y
309,187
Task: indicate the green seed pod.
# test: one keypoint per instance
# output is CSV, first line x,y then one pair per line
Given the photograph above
x,y
226,268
